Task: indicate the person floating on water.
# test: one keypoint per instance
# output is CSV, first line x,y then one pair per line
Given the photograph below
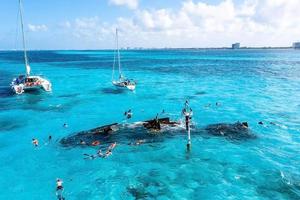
x,y
59,189
137,142
35,142
65,125
100,154
49,138
109,150
82,142
128,114
208,105
92,157
95,143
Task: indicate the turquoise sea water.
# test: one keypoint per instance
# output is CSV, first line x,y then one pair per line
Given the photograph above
x,y
249,85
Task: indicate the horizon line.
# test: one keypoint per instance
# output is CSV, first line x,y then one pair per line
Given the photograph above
x,y
153,48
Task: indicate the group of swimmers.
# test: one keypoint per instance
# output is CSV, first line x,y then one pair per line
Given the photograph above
x,y
218,104
59,182
35,142
99,153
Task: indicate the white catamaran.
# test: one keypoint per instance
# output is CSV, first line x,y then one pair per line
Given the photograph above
x,y
122,82
28,82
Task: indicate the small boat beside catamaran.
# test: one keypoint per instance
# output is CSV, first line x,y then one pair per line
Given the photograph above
x,y
122,82
28,82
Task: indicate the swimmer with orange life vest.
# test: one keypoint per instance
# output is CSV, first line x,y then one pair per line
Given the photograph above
x,y
95,143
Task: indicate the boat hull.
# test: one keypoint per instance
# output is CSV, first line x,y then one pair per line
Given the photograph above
x,y
30,83
124,85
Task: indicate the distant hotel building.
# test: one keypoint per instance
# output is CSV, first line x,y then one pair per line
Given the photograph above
x,y
296,45
236,46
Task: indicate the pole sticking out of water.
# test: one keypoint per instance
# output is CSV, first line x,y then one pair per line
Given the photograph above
x,y
188,145
188,113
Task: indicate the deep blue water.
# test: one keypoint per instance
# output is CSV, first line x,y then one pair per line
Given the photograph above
x,y
249,85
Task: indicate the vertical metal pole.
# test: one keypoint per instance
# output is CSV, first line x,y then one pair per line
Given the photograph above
x,y
119,62
189,143
23,37
187,112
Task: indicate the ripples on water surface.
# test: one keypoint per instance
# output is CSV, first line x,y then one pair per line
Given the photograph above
x,y
250,85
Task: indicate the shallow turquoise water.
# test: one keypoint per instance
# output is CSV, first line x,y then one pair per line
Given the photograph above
x,y
250,85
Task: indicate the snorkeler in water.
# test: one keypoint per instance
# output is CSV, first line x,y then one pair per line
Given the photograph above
x,y
100,154
82,142
88,156
112,146
207,106
65,125
35,142
59,189
97,155
59,185
128,114
109,150
95,143
137,142
92,157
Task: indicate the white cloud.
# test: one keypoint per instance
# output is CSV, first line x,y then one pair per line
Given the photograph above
x,y
37,28
158,19
132,4
252,22
198,24
91,29
65,24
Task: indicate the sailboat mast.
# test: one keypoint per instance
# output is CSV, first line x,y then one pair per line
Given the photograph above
x,y
118,51
23,37
114,64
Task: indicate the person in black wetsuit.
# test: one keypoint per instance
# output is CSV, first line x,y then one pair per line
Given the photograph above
x,y
128,114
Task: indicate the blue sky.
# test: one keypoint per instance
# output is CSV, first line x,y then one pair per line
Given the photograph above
x,y
82,24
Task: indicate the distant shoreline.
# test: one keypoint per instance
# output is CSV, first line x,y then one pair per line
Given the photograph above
x,y
145,49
